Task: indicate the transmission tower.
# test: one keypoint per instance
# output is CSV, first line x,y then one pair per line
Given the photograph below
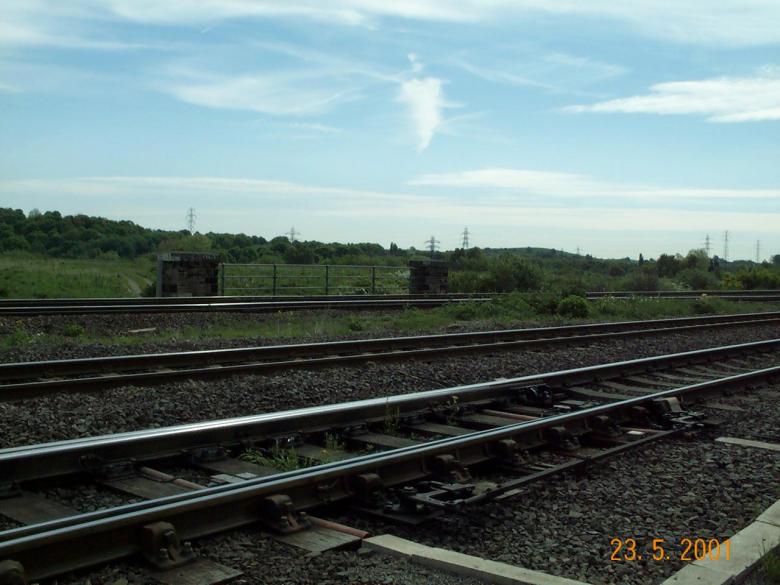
x,y
191,220
707,244
758,251
432,244
578,250
291,235
465,235
726,245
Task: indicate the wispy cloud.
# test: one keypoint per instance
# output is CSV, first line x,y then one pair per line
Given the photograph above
x,y
718,22
572,185
424,98
302,93
733,22
555,72
316,127
723,99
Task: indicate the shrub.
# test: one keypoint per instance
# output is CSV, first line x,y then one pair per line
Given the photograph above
x,y
508,273
73,330
573,307
698,279
705,305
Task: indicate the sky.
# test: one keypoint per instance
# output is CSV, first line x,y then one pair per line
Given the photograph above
x,y
615,128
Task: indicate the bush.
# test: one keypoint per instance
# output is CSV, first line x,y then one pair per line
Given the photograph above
x,y
150,290
73,330
758,278
573,307
705,305
640,280
508,273
698,279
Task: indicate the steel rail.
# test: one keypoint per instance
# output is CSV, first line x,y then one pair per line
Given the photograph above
x,y
31,369
35,462
768,293
224,299
339,353
50,548
251,307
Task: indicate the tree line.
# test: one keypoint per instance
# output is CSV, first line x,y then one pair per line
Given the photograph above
x,y
473,270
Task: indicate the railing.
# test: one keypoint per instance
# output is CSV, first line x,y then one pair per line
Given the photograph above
x,y
312,279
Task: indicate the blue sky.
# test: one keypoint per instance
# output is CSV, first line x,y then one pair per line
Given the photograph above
x,y
615,127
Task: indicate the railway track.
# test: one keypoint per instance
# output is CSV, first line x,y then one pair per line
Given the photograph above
x,y
32,307
734,295
407,458
25,380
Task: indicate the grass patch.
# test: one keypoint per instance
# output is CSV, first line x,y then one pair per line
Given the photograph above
x,y
30,276
509,311
277,457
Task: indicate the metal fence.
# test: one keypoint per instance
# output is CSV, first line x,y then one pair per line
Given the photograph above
x,y
312,279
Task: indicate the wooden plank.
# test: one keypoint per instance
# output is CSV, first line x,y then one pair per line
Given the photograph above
x,y
681,378
321,454
382,440
726,407
749,443
626,388
144,487
588,393
199,572
318,539
488,420
440,429
651,382
237,466
30,508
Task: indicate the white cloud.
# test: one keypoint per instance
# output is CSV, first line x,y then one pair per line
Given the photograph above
x,y
425,100
733,22
723,99
571,185
715,22
316,127
281,94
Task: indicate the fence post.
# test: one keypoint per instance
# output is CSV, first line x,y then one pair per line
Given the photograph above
x,y
273,289
327,287
222,278
373,280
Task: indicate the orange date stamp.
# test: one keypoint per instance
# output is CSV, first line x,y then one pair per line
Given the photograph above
x,y
659,549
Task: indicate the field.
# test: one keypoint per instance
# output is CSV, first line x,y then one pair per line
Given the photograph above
x,y
29,276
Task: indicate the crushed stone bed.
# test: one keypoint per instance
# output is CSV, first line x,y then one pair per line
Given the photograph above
x,y
64,416
675,488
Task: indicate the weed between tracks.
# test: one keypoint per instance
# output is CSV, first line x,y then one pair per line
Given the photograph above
x,y
280,458
514,310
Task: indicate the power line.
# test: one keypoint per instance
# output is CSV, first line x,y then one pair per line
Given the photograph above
x,y
465,234
432,244
191,220
291,235
726,245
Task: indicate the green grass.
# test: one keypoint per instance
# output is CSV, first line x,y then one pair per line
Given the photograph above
x,y
30,276
517,310
277,457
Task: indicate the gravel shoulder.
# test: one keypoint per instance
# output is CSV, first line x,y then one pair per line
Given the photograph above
x,y
674,489
64,416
